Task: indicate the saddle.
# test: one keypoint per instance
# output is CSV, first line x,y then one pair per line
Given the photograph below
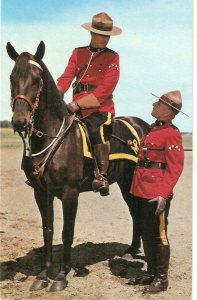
x,y
124,142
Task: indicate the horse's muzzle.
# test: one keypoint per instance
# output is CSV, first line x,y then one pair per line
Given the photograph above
x,y
19,125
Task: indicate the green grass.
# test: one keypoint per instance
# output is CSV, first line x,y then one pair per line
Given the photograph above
x,y
187,140
9,139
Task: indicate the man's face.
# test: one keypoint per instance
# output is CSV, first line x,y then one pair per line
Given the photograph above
x,y
161,110
99,40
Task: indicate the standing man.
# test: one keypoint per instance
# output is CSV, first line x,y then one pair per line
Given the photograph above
x,y
160,163
96,69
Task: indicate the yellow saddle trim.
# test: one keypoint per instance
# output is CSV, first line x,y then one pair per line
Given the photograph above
x,y
113,156
123,156
131,128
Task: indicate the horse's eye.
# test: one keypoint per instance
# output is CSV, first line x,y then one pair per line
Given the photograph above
x,y
35,80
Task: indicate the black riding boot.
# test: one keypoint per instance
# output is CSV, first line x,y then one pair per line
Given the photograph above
x,y
100,182
160,282
147,278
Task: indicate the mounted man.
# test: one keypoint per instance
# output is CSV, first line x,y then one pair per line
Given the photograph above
x,y
96,69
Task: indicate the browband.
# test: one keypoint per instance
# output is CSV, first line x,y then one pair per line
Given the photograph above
x,y
32,62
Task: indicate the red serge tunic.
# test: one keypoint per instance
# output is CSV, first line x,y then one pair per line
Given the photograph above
x,y
103,73
149,182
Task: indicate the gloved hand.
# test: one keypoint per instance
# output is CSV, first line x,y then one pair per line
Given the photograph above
x,y
73,107
161,204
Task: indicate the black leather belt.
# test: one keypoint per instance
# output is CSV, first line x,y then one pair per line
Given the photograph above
x,y
151,164
79,87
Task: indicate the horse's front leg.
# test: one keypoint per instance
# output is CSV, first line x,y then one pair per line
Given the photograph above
x,y
69,204
45,204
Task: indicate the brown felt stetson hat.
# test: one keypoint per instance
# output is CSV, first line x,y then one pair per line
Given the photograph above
x,y
172,99
102,24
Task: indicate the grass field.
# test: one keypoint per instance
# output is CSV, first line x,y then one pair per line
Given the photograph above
x,y
9,139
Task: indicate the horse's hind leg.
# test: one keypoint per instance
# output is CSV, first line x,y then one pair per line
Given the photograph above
x,y
69,204
136,239
45,205
134,249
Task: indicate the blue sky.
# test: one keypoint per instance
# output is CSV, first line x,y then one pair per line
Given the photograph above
x,y
155,47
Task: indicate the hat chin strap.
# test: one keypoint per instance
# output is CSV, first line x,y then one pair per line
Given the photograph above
x,y
178,110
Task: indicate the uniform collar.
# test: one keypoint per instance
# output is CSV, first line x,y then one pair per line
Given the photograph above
x,y
92,49
160,123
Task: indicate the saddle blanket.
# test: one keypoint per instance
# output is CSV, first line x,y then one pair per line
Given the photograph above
x,y
124,143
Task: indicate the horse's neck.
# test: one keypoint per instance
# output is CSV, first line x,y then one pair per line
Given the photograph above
x,y
51,111
48,122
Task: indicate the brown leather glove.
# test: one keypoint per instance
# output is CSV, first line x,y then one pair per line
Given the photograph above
x,y
73,107
161,204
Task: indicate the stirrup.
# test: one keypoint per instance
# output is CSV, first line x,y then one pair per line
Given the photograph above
x,y
100,184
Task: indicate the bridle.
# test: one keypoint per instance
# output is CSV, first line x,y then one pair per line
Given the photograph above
x,y
32,105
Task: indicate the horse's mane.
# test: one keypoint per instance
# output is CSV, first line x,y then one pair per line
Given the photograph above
x,y
55,103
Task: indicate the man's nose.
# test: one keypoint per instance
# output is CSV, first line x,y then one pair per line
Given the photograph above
x,y
105,37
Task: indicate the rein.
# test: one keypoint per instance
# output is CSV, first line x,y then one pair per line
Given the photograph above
x,y
39,168
56,137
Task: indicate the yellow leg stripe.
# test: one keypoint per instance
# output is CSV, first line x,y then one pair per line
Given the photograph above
x,y
162,229
131,129
102,126
85,146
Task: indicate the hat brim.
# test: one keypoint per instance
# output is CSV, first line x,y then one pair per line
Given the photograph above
x,y
169,104
115,30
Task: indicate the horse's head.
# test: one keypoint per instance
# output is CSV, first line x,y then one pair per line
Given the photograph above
x,y
26,85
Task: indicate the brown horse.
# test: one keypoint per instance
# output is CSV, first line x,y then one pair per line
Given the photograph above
x,y
53,158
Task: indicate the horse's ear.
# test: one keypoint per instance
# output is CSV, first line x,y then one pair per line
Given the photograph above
x,y
11,51
40,51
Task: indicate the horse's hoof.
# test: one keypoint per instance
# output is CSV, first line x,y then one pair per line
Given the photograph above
x,y
39,284
58,286
81,272
134,251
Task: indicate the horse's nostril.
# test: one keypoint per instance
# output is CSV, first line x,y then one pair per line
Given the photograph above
x,y
18,125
